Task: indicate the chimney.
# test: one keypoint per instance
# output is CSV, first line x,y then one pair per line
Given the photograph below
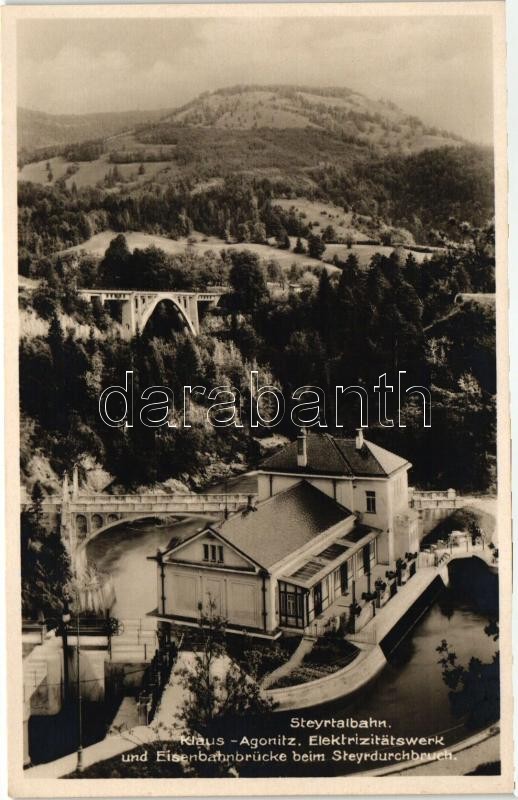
x,y
359,438
302,448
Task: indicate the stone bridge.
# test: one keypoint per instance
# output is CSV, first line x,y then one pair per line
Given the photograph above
x,y
138,306
84,515
433,506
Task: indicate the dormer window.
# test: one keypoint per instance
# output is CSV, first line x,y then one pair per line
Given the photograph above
x,y
213,553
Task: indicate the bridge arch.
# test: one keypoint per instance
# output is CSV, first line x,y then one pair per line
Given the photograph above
x,y
183,312
94,533
96,522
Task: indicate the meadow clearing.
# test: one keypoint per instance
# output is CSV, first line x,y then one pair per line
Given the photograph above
x,y
201,244
89,173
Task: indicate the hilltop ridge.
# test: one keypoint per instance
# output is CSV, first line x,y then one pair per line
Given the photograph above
x,y
379,166
342,112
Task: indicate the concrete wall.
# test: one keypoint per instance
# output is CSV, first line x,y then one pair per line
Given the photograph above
x,y
268,485
336,686
399,489
124,676
92,671
382,517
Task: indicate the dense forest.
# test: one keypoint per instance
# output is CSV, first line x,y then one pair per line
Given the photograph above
x,y
345,328
228,166
395,191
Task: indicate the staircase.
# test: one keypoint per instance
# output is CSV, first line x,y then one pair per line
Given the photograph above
x,y
297,657
136,642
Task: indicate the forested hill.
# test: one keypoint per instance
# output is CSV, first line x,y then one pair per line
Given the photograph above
x,y
334,145
258,189
380,124
37,129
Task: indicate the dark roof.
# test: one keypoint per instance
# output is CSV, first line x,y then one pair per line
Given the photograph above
x,y
331,455
283,523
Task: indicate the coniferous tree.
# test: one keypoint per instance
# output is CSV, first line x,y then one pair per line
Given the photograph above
x,y
316,247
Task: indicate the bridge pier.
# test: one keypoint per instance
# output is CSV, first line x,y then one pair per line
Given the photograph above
x,y
129,322
193,313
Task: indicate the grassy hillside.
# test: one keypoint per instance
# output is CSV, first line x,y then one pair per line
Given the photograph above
x,y
201,245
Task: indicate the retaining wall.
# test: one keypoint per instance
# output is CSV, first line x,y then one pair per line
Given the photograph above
x,y
368,663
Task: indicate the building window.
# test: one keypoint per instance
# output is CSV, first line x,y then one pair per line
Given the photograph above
x,y
292,605
371,502
213,553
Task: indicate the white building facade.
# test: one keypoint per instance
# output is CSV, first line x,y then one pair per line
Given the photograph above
x,y
328,511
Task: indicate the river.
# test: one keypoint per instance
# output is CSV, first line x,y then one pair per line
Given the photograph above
x,y
122,554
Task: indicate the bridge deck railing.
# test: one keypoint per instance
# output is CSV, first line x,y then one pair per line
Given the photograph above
x,y
84,502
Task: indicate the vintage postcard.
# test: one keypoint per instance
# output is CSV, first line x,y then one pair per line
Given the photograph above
x,y
257,383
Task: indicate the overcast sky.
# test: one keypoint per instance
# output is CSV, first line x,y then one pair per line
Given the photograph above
x,y
436,68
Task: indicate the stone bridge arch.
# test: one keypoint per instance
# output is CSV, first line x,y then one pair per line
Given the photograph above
x,y
83,515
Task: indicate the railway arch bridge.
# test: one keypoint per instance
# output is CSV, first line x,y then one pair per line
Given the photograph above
x,y
138,305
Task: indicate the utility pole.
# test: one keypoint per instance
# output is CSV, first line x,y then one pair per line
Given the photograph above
x,y
65,619
79,709
226,497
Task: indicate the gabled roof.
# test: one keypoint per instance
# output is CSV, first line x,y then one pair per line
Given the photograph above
x,y
331,455
283,523
174,550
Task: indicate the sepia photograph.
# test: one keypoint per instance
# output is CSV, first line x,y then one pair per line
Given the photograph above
x,y
257,384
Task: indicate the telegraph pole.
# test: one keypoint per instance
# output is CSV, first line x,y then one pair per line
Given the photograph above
x,y
65,619
79,709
